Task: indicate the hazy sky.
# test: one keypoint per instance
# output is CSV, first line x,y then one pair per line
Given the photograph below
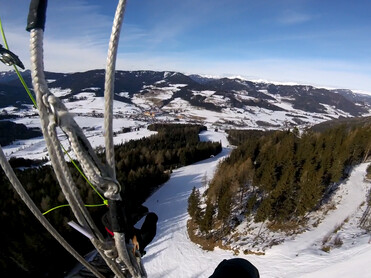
x,y
319,42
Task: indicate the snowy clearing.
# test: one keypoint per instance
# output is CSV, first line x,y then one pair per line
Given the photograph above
x,y
172,254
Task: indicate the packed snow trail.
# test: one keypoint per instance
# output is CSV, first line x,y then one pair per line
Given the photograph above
x,y
172,254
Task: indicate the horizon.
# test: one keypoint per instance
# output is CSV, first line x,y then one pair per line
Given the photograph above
x,y
304,42
275,82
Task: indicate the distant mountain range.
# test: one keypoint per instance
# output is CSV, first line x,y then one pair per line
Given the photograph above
x,y
216,101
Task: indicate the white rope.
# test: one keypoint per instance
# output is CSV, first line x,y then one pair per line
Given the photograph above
x,y
109,86
134,268
41,90
53,113
53,145
96,173
36,212
71,190
48,129
123,253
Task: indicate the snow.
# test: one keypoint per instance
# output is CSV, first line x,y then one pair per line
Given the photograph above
x,y
214,136
176,104
124,94
362,92
154,98
333,111
58,92
284,105
172,254
35,148
206,93
90,104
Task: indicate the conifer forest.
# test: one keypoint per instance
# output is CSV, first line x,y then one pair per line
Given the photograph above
x,y
278,176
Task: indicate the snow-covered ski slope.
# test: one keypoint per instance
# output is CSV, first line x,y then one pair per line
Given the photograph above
x,y
172,254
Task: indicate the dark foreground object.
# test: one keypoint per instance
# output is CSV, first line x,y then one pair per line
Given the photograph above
x,y
237,268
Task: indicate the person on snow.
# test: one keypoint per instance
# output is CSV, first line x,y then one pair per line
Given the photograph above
x,y
131,215
236,268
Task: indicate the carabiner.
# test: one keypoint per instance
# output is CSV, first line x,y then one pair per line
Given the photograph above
x,y
9,58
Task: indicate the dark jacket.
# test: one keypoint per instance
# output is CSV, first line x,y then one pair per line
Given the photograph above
x,y
131,215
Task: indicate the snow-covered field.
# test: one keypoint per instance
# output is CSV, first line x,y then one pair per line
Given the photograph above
x,y
172,254
35,148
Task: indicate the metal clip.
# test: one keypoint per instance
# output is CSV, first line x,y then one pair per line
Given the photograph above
x,y
113,189
9,58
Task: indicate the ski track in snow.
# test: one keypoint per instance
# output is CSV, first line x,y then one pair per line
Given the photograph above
x,y
172,254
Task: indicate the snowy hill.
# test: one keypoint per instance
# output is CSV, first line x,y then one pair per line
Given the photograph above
x,y
216,101
172,254
143,97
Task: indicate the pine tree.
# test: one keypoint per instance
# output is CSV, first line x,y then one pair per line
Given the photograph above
x,y
194,201
264,210
206,222
224,205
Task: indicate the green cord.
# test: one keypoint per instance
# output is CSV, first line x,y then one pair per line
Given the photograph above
x,y
16,69
83,175
57,207
62,206
25,86
3,34
105,202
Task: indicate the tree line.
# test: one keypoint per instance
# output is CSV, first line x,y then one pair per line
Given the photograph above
x,y
278,176
10,132
144,164
27,249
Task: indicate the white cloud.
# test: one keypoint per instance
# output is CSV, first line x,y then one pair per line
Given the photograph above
x,y
72,56
60,55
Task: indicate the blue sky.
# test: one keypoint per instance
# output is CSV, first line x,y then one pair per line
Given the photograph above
x,y
323,43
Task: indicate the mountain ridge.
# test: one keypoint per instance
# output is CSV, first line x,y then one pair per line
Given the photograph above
x,y
231,101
